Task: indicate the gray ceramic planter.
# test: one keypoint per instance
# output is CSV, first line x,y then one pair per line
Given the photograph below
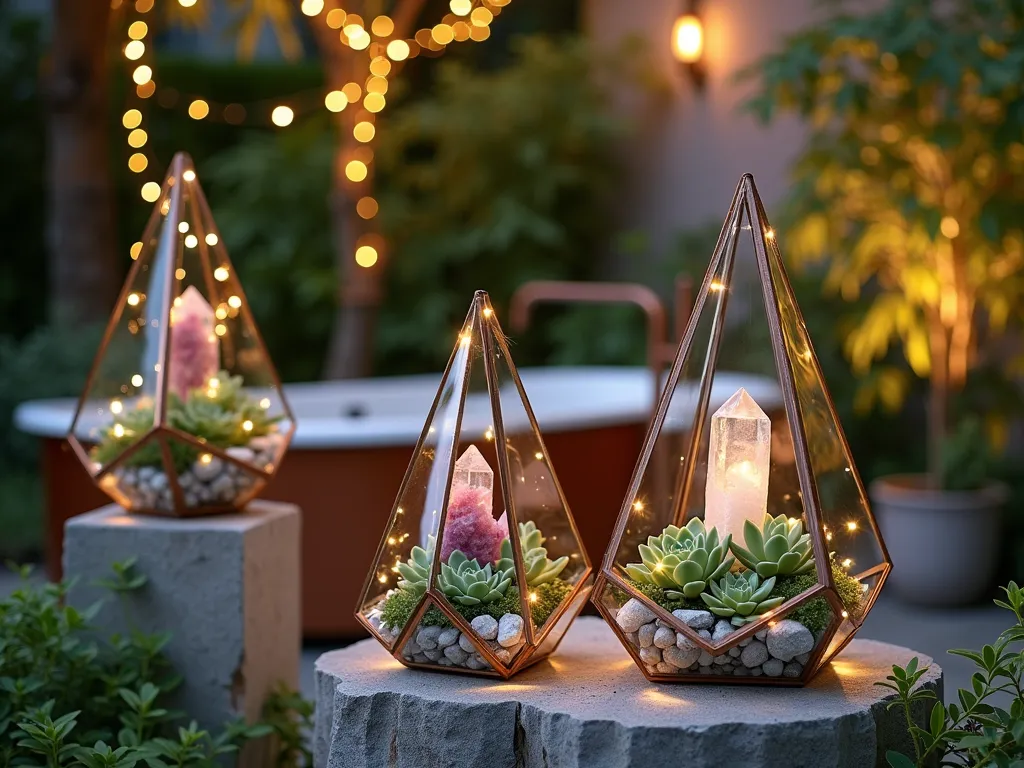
x,y
944,544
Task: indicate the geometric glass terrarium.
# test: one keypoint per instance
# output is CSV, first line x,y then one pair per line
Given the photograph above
x,y
745,551
182,413
481,568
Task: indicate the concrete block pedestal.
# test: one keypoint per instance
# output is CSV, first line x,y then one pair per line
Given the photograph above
x,y
225,587
588,706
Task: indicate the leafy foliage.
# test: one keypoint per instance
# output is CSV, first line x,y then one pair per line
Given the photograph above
x,y
779,548
741,597
214,415
62,689
468,583
683,561
910,183
539,568
971,731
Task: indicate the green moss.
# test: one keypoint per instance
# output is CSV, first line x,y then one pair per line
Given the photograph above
x,y
657,594
399,608
816,614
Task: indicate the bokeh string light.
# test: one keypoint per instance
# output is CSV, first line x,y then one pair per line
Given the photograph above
x,y
468,20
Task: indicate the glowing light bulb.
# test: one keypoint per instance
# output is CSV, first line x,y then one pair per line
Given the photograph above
x,y
366,208
461,7
142,75
382,26
191,241
132,119
183,227
335,101
366,256
137,138
137,30
312,7
234,302
265,403
150,191
364,132
220,274
282,116
398,50
118,430
688,38
137,380
116,406
134,50
189,175
851,526
133,299
212,239
355,170
198,109
138,162
247,425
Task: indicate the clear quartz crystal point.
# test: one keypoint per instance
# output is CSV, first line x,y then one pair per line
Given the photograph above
x,y
739,457
473,471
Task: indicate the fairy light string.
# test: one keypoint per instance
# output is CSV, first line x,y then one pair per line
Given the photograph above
x,y
383,51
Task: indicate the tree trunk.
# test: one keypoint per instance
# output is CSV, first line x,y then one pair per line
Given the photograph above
x,y
938,399
83,275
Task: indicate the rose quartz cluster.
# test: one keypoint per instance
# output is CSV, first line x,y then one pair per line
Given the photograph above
x,y
195,352
470,526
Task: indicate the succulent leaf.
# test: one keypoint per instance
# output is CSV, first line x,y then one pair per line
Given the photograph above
x,y
539,569
415,571
683,561
779,548
466,582
741,597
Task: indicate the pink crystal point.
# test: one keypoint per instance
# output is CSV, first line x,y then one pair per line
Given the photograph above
x,y
194,356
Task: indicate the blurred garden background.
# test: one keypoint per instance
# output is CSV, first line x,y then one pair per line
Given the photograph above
x,y
539,140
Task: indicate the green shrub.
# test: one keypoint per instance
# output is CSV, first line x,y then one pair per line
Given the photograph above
x,y
69,697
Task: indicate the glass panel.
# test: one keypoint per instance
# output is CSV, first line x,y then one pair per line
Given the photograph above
x,y
403,567
185,353
557,630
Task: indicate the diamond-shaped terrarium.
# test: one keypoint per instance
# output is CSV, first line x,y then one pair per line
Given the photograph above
x,y
481,568
183,412
745,551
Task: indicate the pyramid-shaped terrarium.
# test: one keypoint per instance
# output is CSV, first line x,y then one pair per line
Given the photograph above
x,y
183,412
481,568
745,551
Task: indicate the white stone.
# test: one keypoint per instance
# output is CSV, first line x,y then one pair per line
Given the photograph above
x,y
466,644
426,638
207,470
788,639
802,658
680,657
666,668
223,488
705,659
432,654
145,473
646,635
186,480
241,453
650,655
755,654
695,619
772,667
158,481
683,642
792,669
476,662
448,636
722,630
761,635
510,630
704,633
633,615
411,648
226,588
485,626
504,655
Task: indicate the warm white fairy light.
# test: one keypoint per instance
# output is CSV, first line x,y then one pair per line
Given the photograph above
x,y
220,274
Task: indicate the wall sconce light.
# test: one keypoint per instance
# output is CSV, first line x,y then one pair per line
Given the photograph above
x,y
688,43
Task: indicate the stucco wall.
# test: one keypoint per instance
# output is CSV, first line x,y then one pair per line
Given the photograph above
x,y
690,148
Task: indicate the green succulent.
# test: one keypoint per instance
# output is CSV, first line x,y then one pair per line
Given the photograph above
x,y
683,561
465,582
539,569
416,570
741,597
779,548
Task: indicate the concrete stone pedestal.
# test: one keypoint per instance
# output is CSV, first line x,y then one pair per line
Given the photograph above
x,y
225,587
588,706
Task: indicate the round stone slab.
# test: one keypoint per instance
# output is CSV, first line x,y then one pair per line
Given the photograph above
x,y
588,706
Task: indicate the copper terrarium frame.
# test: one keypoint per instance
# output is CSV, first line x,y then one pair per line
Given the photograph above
x,y
482,332
169,208
785,323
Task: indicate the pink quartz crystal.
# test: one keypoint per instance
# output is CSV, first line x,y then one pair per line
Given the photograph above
x,y
194,356
470,526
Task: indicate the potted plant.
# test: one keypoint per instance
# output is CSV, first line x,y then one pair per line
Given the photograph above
x,y
909,192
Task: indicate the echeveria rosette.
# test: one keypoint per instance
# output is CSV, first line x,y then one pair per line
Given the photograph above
x,y
741,597
416,570
779,548
683,561
466,582
539,568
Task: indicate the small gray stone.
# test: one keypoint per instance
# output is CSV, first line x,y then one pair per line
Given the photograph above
x,y
665,668
223,488
761,635
802,658
432,654
186,480
705,659
705,669
207,470
695,619
444,661
792,669
720,660
158,481
665,638
755,654
485,626
755,672
476,662
680,657
191,499
633,615
741,671
722,630
504,655
704,633
745,642
633,638
426,638
683,642
510,630
650,655
466,644
735,651
789,638
455,654
772,667
145,473
449,636
646,635
411,649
